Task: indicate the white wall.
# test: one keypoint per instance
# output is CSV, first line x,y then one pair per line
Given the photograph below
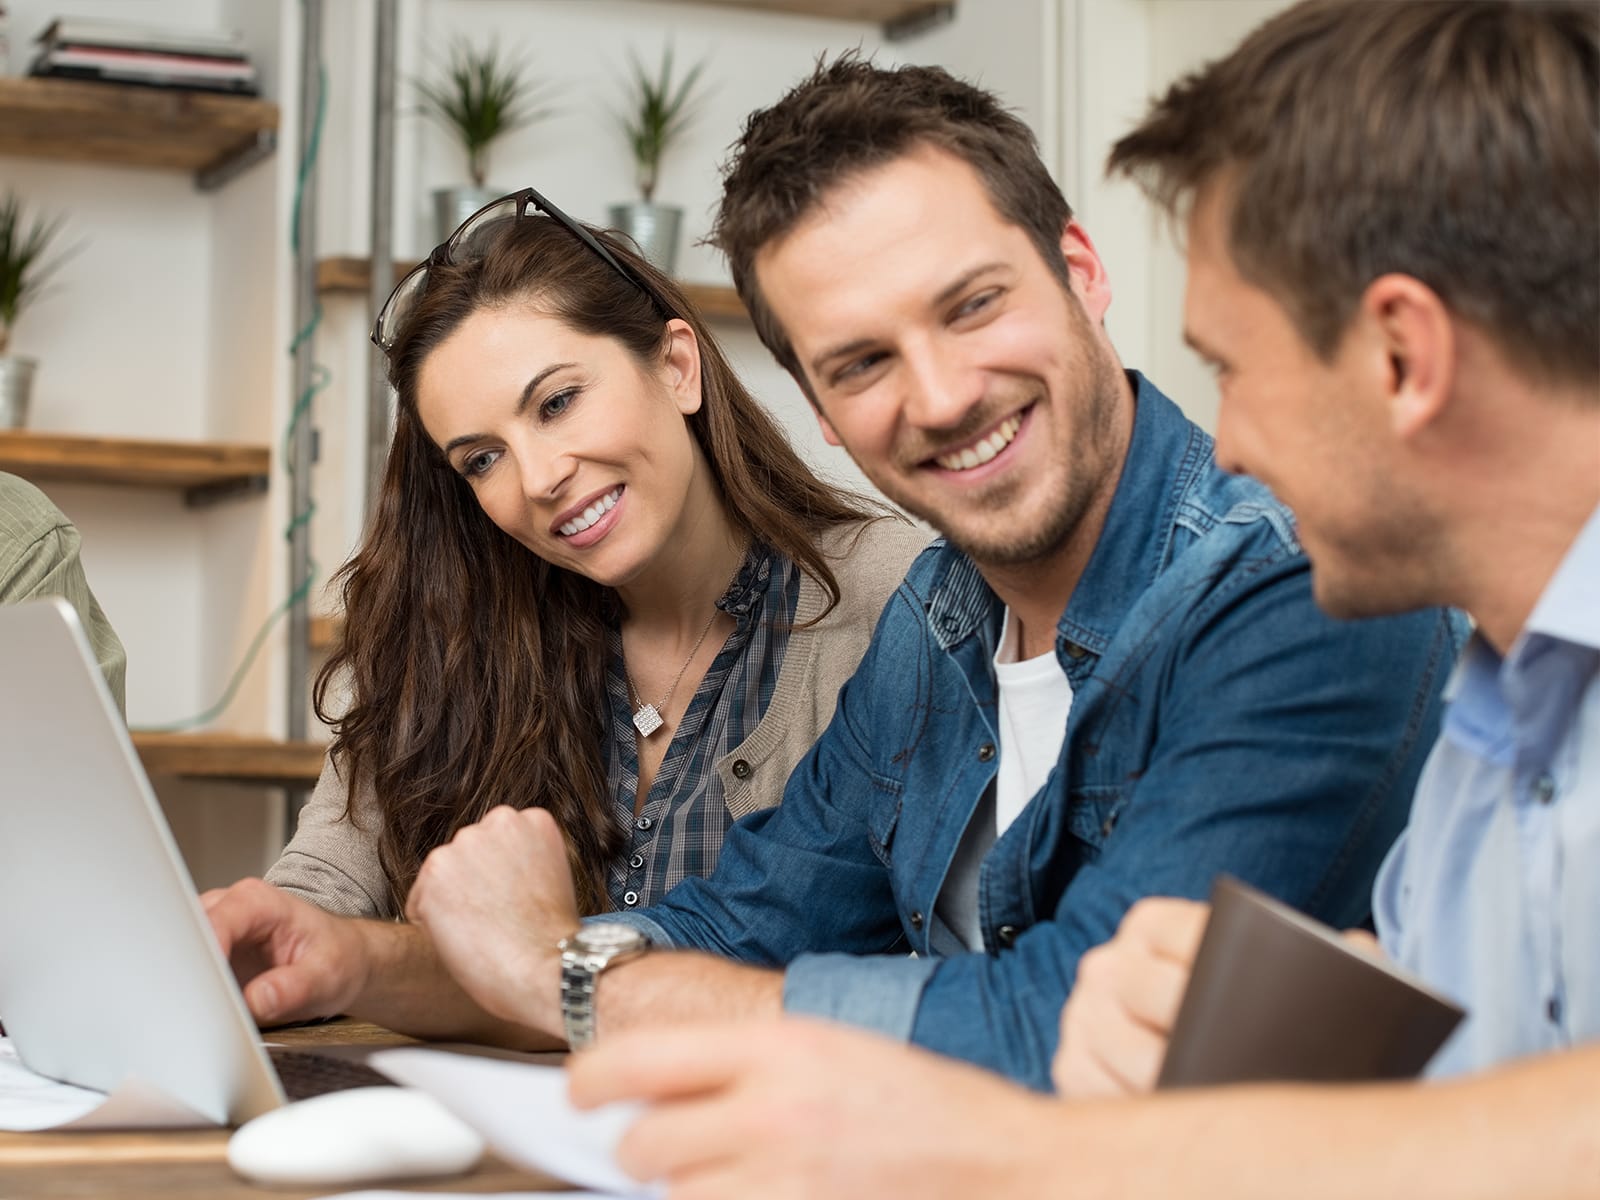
x,y
1125,52
167,324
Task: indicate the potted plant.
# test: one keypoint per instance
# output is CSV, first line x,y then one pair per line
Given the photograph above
x,y
479,99
24,269
659,109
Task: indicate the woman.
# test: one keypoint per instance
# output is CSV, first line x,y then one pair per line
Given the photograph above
x,y
598,579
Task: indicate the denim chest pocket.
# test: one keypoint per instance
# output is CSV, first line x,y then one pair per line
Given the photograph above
x,y
1093,813
883,817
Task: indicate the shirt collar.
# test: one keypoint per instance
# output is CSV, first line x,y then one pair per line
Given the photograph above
x,y
1514,711
742,600
1164,454
1569,607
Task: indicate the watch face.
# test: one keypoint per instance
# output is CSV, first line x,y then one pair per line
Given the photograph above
x,y
608,936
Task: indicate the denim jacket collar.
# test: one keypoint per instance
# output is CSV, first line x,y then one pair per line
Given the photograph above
x,y
1165,455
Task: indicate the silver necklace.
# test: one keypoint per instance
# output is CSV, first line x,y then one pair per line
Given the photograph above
x,y
647,718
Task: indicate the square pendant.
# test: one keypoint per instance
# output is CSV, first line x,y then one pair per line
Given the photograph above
x,y
647,720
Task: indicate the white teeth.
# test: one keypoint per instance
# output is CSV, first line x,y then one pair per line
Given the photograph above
x,y
979,453
591,514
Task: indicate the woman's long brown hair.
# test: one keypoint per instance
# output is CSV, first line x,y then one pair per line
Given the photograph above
x,y
475,670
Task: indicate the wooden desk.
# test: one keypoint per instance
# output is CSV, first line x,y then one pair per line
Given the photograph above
x,y
192,1164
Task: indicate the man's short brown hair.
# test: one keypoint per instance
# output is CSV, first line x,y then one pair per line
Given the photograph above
x,y
850,116
1455,142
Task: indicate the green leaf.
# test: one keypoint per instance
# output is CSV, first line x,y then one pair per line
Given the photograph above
x,y
658,112
25,263
480,98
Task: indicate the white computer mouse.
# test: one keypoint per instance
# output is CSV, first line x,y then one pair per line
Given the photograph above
x,y
355,1136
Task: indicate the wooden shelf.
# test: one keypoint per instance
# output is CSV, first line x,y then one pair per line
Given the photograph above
x,y
203,471
715,301
214,136
899,18
325,631
230,758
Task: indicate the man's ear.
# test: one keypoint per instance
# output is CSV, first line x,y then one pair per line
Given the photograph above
x,y
681,366
1416,337
1088,273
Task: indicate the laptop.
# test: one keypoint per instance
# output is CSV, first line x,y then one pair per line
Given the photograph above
x,y
108,968
1275,995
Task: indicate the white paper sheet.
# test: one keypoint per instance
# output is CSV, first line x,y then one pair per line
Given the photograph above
x,y
30,1102
522,1111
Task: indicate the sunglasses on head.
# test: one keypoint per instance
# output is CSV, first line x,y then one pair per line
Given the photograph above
x,y
469,243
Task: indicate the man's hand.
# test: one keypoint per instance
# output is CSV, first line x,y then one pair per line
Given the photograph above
x,y
799,1108
292,960
495,901
1118,1017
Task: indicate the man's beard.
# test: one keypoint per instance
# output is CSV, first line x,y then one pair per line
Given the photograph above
x,y
1026,538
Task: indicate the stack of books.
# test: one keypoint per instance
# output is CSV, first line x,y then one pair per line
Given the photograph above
x,y
152,55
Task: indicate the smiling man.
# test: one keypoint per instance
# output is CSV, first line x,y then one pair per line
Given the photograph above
x,y
1393,238
1110,681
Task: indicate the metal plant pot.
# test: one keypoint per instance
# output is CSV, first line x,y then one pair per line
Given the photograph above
x,y
653,227
16,389
453,205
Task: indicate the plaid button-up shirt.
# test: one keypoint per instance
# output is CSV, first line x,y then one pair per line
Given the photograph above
x,y
679,830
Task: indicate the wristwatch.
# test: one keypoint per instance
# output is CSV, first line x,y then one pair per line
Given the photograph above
x,y
584,955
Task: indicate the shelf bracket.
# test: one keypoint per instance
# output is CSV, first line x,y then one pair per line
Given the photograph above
x,y
207,494
918,21
223,170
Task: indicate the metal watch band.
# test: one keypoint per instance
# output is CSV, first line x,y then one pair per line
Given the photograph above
x,y
584,956
578,974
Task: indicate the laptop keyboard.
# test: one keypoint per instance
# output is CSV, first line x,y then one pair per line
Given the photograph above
x,y
305,1073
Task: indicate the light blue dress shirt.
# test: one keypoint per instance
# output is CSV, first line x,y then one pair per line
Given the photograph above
x,y
1493,893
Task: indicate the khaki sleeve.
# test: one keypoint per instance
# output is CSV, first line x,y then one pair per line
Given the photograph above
x,y
48,563
332,861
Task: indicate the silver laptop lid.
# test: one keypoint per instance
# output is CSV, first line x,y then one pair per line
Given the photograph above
x,y
108,968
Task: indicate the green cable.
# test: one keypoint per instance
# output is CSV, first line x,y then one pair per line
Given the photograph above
x,y
320,377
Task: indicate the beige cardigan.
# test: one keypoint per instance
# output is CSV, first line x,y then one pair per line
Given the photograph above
x,y
333,862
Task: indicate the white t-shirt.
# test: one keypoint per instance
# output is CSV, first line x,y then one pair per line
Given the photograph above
x,y
1035,697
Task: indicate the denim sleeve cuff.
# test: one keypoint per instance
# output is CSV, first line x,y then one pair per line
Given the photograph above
x,y
881,994
657,935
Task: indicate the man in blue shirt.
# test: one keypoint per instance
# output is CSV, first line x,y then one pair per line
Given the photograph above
x,y
1110,681
1393,218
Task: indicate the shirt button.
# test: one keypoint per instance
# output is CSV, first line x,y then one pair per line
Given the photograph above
x,y
986,752
636,861
643,823
1006,935
916,920
1108,825
1075,651
1544,789
630,898
741,769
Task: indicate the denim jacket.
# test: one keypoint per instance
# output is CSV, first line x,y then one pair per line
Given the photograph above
x,y
1219,722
